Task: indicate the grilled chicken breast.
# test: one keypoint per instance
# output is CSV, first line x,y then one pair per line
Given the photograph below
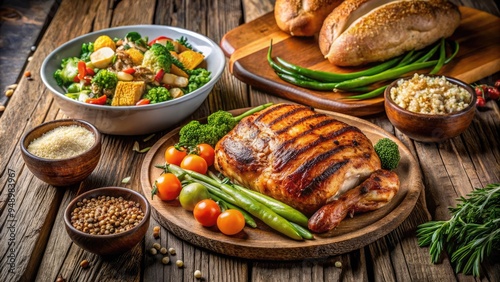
x,y
372,194
296,155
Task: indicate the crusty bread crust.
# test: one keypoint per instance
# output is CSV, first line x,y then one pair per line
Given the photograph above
x,y
302,17
387,31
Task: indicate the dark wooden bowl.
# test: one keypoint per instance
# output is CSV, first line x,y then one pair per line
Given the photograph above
x,y
430,127
61,172
105,245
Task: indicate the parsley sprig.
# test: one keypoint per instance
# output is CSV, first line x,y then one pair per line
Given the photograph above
x,y
470,235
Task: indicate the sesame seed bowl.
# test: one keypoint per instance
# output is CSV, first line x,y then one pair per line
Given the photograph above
x,y
107,220
424,113
62,152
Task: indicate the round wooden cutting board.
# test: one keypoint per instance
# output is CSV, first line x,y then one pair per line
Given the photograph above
x,y
264,243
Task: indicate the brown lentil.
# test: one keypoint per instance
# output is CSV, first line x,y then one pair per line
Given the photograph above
x,y
157,246
163,250
106,215
27,73
179,263
197,274
9,92
171,251
338,264
12,86
84,263
60,278
153,251
2,108
156,232
165,260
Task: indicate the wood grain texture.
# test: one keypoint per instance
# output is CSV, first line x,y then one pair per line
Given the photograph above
x,y
247,45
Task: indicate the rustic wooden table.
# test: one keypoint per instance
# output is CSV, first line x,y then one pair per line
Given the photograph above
x,y
34,244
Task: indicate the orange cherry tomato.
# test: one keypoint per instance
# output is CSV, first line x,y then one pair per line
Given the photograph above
x,y
173,155
142,102
206,212
206,152
194,163
230,222
167,187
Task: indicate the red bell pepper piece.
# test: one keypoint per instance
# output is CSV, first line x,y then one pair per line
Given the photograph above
x,y
157,39
82,69
129,70
97,101
142,102
159,75
90,71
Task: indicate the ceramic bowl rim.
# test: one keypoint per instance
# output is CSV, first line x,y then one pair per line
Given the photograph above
x,y
73,202
89,126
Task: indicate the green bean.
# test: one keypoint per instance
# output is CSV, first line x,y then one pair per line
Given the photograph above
x,y
406,59
305,233
442,58
323,76
280,69
248,218
323,86
372,94
429,54
255,208
278,207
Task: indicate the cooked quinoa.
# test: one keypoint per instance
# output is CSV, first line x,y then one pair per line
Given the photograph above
x,y
430,95
62,142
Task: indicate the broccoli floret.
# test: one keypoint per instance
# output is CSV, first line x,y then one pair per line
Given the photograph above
x,y
157,57
104,80
194,133
66,74
87,49
158,94
218,124
197,78
388,152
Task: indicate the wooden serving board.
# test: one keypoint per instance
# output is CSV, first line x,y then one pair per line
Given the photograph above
x,y
247,45
263,242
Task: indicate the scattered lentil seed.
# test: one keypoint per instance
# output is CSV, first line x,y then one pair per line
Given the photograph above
x,y
105,215
27,73
12,86
60,278
2,108
33,48
338,264
30,58
156,232
153,251
179,263
165,260
84,263
9,92
197,274
163,250
157,246
171,251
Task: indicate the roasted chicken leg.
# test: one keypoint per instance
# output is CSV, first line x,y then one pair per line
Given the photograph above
x,y
372,194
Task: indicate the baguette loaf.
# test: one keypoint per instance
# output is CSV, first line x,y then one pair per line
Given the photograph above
x,y
302,17
358,32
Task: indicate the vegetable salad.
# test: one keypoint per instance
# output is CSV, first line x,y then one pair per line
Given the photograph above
x,y
132,70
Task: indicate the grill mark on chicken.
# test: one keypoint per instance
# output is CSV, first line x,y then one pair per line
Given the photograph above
x,y
286,115
316,182
283,156
269,111
298,122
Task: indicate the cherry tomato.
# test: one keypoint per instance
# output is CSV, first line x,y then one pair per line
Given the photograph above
x,y
497,84
160,39
167,187
231,222
206,212
493,93
142,102
191,194
174,155
129,70
480,101
90,71
194,163
206,152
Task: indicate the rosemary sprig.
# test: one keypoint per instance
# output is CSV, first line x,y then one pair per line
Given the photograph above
x,y
470,235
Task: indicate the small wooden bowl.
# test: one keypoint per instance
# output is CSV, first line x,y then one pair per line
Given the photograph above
x,y
430,127
61,172
113,244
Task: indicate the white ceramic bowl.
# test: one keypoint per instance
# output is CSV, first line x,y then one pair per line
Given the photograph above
x,y
134,120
